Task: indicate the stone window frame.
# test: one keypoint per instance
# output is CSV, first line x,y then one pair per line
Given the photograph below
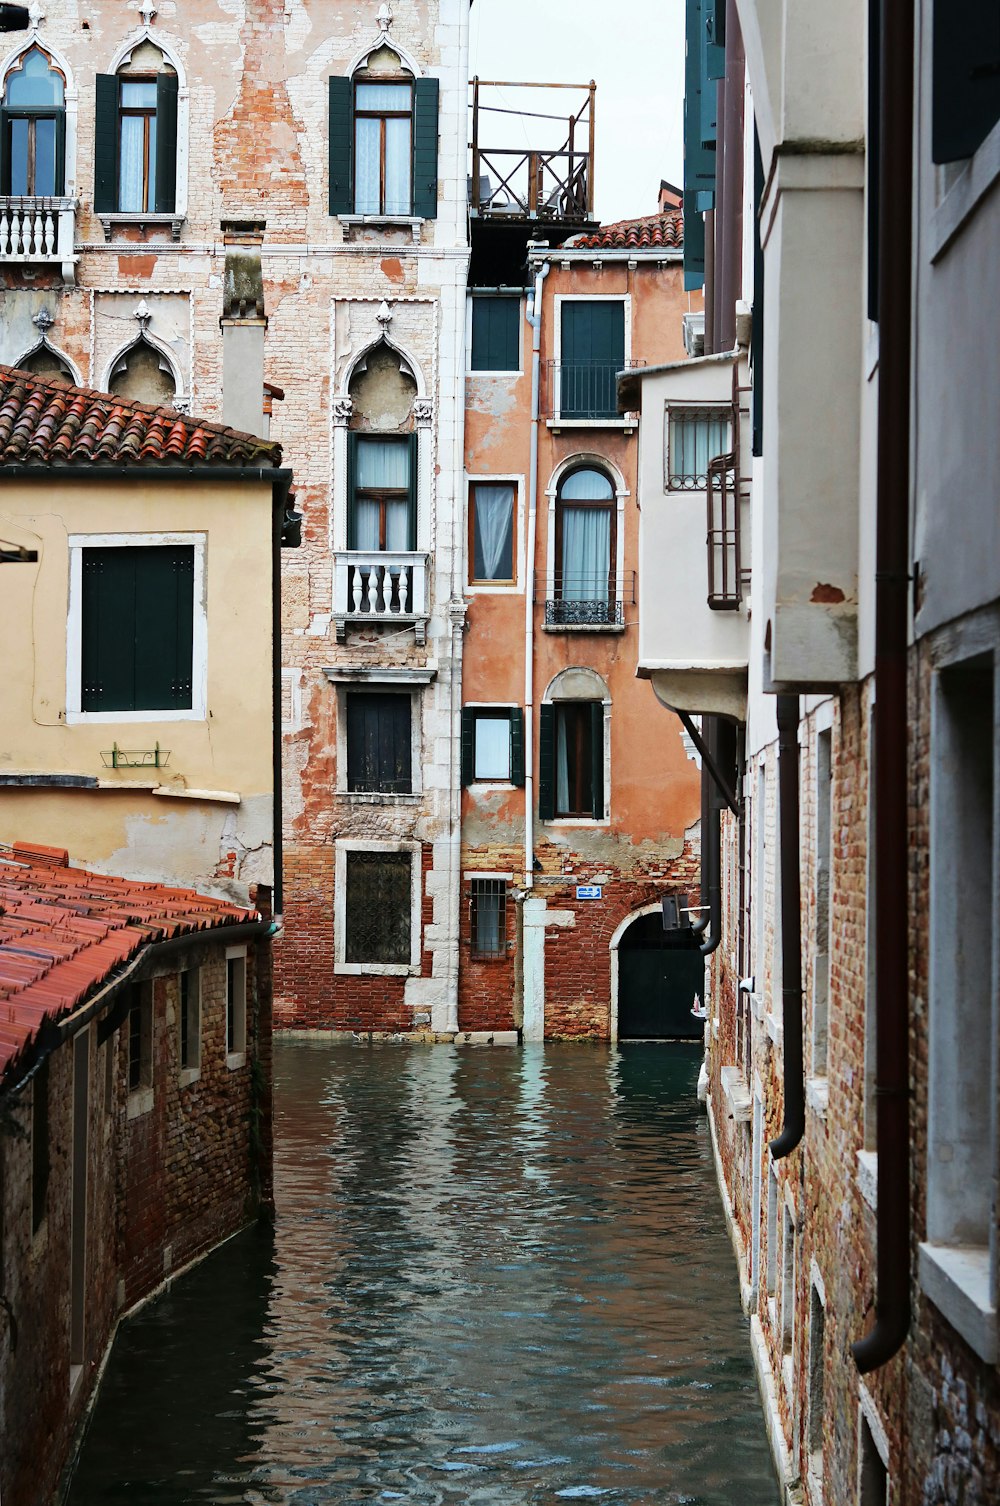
x,y
71,98
76,544
171,52
236,1058
191,1071
816,1372
961,1277
411,969
387,679
142,1095
553,695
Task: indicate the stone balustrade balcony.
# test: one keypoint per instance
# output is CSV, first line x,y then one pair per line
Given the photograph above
x,y
38,232
380,586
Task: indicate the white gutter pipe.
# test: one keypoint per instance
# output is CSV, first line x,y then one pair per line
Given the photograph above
x,y
535,320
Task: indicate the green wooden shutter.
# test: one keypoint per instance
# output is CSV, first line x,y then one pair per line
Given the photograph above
x,y
468,745
107,669
106,145
164,626
352,487
966,77
425,147
4,152
516,745
546,762
593,351
341,135
165,193
597,759
495,330
413,442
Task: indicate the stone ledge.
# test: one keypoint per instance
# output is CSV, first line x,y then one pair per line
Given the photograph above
x,y
818,1095
867,1177
739,1104
956,1278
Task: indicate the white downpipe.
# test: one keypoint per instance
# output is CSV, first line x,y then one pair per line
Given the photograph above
x,y
535,320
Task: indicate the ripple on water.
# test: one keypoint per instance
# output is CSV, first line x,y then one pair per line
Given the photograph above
x,y
495,1277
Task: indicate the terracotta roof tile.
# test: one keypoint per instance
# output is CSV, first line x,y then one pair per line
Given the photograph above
x,y
646,234
64,931
43,423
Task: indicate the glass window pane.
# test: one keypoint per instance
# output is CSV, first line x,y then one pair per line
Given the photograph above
x,y
586,553
493,531
45,156
586,485
131,165
397,166
150,204
693,439
382,96
139,95
397,525
383,465
492,747
367,135
19,157
34,83
366,524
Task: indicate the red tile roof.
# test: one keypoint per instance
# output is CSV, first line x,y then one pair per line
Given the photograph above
x,y
43,423
64,931
645,234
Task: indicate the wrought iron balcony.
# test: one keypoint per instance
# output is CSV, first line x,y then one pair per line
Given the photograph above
x,y
581,602
38,232
584,391
380,587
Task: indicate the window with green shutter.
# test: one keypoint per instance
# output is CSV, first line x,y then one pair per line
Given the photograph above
x,y
492,744
135,142
137,628
571,760
383,143
496,332
592,352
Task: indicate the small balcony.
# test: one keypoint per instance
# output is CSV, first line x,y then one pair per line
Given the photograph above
x,y
579,604
551,180
382,588
38,232
585,392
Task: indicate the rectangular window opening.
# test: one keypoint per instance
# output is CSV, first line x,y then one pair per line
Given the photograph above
x,y
140,1038
383,147
874,1477
592,352
496,332
137,628
189,986
695,436
817,1381
491,523
576,758
379,750
787,1279
39,1145
488,917
378,907
236,1004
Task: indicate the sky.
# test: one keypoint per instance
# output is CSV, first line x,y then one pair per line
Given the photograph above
x,y
634,50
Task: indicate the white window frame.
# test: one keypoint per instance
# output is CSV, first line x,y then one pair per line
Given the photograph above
x,y
622,422
515,479
587,460
411,969
77,543
689,405
482,371
237,1058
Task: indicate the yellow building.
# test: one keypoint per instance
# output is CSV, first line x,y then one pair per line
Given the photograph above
x,y
140,615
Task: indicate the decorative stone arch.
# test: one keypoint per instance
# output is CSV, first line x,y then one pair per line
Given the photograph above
x,y
616,940
43,343
408,363
170,48
167,362
587,460
577,683
384,38
71,97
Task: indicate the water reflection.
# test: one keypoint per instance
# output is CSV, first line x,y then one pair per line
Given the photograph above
x,y
496,1277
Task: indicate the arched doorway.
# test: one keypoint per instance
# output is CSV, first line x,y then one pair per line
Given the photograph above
x,y
659,973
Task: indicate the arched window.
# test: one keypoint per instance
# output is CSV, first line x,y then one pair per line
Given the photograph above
x,y
572,747
144,374
135,136
585,542
382,459
383,140
33,137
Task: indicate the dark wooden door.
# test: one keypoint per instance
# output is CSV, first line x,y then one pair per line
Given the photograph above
x,y
657,983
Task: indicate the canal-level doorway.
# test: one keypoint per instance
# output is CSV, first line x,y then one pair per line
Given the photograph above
x,y
656,975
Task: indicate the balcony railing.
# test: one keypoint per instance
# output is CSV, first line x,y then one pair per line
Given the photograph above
x,y
581,601
38,232
552,181
379,587
584,390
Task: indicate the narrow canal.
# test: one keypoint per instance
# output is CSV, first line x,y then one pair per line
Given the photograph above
x,y
496,1276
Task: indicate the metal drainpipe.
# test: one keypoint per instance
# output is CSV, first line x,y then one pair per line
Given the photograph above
x,y
791,935
892,1045
535,320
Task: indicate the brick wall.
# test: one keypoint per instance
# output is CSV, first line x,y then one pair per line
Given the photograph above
x,y
165,1183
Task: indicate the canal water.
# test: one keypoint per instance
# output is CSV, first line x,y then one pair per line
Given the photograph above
x,y
496,1276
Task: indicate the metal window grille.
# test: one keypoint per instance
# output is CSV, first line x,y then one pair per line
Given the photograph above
x,y
695,436
488,917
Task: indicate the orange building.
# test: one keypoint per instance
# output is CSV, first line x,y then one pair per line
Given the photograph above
x,y
580,802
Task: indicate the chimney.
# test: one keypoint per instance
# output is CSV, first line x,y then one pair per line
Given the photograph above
x,y
243,324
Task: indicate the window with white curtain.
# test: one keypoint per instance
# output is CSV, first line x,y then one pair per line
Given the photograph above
x,y
382,484
383,153
695,436
491,519
137,146
585,547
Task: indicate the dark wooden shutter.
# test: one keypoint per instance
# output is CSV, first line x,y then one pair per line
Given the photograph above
x,y
106,145
468,745
546,762
593,350
108,631
60,153
137,629
425,147
4,152
966,77
165,194
495,330
352,489
378,742
597,759
341,137
516,745
413,441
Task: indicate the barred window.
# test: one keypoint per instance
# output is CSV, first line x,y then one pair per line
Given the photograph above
x,y
488,911
377,907
189,985
694,437
140,1038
